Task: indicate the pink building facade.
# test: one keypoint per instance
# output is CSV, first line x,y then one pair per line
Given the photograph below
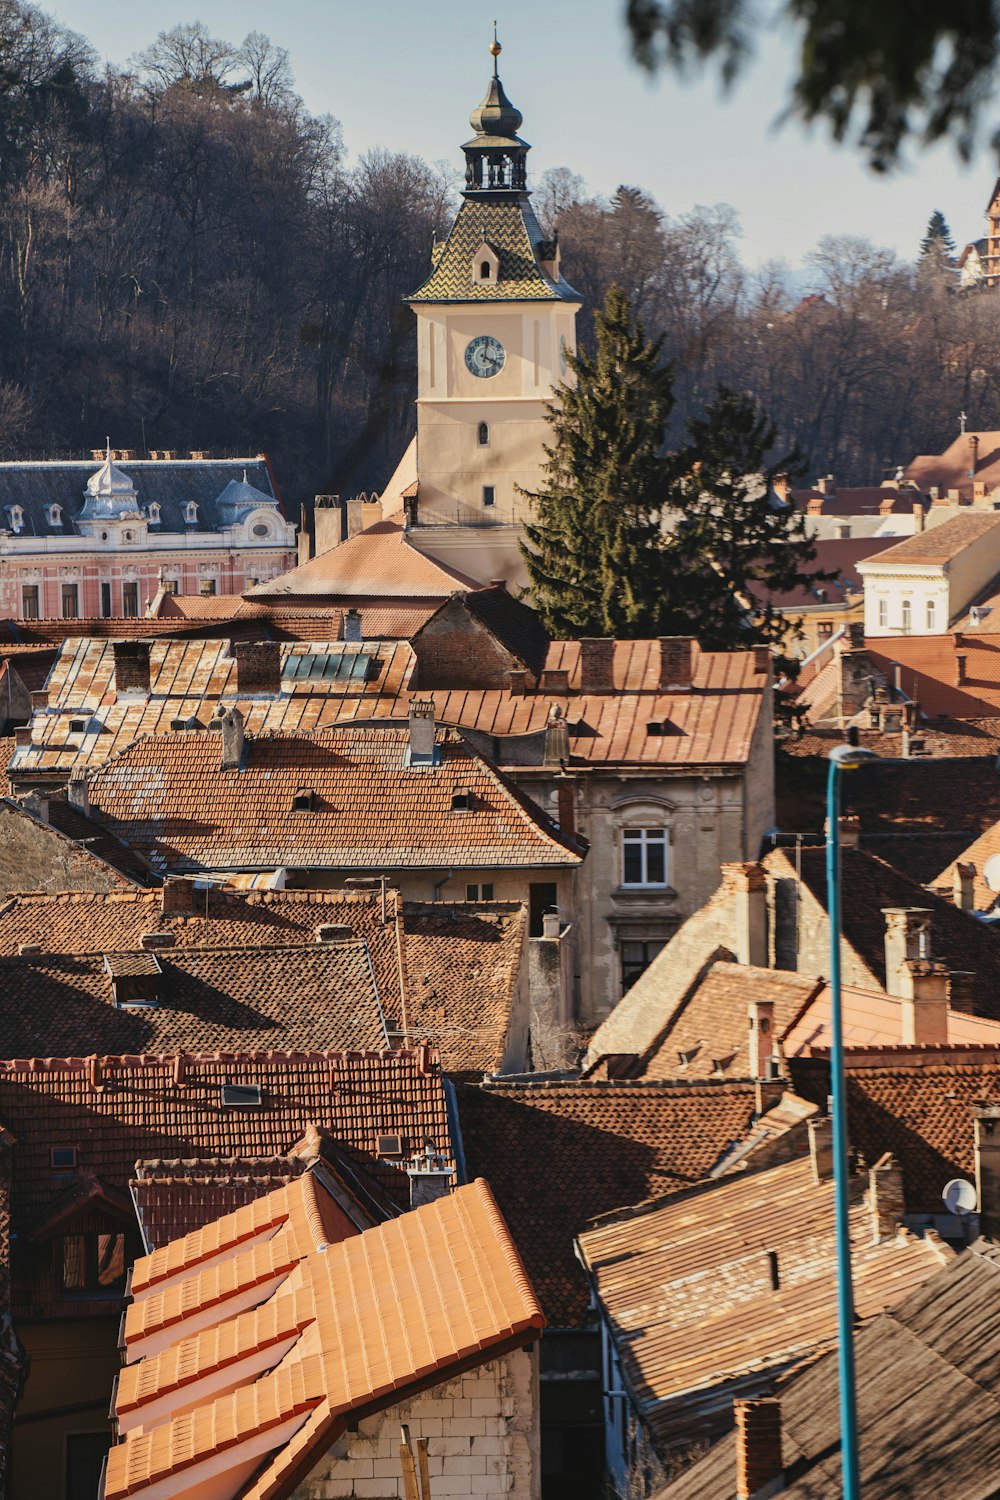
x,y
83,540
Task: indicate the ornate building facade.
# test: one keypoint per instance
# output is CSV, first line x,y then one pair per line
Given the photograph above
x,y
98,539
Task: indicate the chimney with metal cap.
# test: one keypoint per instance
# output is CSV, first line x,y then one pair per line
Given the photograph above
x,y
907,937
759,1467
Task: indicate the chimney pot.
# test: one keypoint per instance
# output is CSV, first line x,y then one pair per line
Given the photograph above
x,y
551,924
759,1464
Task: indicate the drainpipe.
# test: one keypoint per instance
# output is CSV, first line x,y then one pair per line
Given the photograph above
x,y
439,883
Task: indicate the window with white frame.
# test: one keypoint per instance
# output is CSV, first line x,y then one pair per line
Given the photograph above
x,y
154,513
55,515
930,614
644,856
907,616
190,513
883,611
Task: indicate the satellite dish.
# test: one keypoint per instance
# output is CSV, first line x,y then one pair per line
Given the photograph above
x,y
991,872
960,1196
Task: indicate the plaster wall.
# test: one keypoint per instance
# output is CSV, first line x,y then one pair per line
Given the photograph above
x,y
482,1434
35,857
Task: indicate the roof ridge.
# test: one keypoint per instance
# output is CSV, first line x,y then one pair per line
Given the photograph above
x,y
127,1061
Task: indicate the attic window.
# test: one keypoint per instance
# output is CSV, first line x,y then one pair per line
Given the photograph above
x,y
135,979
720,1065
154,513
15,514
461,800
389,1145
62,1158
241,1095
55,515
304,800
191,513
484,270
78,726
655,729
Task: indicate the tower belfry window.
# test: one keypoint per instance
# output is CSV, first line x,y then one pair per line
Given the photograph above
x,y
484,271
484,434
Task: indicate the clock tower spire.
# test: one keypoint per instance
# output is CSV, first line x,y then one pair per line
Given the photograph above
x,y
494,318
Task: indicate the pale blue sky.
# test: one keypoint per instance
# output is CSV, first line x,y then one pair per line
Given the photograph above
x,y
405,75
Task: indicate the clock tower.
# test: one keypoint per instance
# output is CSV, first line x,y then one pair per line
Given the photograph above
x,y
493,320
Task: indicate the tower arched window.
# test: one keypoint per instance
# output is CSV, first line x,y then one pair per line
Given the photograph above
x,y
484,271
154,513
484,434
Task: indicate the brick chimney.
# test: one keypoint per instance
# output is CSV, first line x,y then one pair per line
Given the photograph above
x,y
39,700
422,732
961,666
886,1200
760,1018
597,659
676,663
517,679
566,802
178,897
821,1147
907,936
962,991
759,1468
748,885
132,666
963,886
258,667
923,992
987,1136
231,724
554,680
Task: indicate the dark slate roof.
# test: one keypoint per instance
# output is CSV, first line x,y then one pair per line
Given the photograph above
x,y
171,483
928,1394
508,225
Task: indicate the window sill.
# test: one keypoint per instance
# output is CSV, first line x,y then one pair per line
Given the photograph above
x,y
626,892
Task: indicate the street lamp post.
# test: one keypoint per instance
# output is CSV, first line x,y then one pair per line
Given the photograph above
x,y
844,758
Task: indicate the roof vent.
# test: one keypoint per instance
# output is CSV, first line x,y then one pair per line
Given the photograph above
x,y
78,726
304,800
655,729
29,950
241,1096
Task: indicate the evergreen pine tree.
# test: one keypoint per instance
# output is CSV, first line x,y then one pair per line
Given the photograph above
x,y
937,241
737,542
593,548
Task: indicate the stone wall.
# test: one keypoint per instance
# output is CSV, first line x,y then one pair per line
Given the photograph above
x,y
482,1440
35,857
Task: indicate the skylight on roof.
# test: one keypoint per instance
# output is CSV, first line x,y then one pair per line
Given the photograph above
x,y
241,1096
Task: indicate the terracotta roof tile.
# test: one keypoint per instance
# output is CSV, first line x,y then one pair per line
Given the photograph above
x,y
378,1314
938,544
556,1154
378,565
371,811
930,671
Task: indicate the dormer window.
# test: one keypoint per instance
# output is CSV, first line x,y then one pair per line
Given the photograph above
x,y
15,515
154,513
54,514
191,513
461,800
485,266
304,800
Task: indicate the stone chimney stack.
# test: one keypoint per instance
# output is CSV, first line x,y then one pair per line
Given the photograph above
x,y
919,516
132,673
821,1147
964,886
78,793
759,1467
748,886
987,1128
676,663
886,1200
352,626
597,660
923,991
231,724
258,668
178,897
422,732
907,937
760,1018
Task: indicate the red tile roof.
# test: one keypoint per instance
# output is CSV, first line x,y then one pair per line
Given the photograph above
x,y
556,1154
374,1318
930,671
938,544
168,797
950,470
116,1111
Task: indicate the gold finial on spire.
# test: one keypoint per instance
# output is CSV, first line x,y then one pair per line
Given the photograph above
x,y
495,49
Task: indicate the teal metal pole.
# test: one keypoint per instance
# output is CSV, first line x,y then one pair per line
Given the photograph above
x,y
845,1291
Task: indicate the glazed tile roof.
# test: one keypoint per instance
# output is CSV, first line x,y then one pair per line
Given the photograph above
x,y
558,1153
375,1317
687,1289
378,565
168,797
927,1399
917,1102
119,1110
509,227
869,885
938,544
236,999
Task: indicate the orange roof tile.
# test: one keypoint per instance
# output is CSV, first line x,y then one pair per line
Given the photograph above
x,y
379,563
873,1019
380,1314
938,544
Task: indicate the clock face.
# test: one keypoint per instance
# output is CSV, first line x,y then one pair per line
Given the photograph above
x,y
485,356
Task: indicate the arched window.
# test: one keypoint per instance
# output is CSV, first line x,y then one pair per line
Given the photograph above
x,y
154,513
484,434
190,512
484,271
883,612
55,515
930,614
907,617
